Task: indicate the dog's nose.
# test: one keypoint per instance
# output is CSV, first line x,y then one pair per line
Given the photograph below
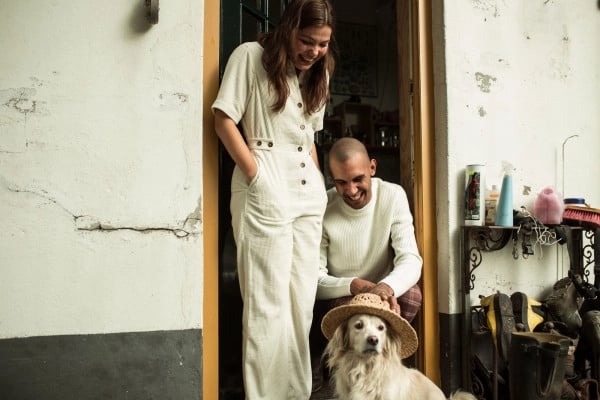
x,y
372,340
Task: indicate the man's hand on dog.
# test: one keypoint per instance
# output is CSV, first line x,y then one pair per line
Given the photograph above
x,y
382,289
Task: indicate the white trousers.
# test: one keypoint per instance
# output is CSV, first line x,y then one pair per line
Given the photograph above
x,y
277,227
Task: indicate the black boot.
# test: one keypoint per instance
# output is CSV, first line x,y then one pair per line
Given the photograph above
x,y
590,336
528,312
501,321
563,305
537,365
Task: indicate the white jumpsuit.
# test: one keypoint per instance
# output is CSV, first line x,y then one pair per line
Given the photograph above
x,y
277,220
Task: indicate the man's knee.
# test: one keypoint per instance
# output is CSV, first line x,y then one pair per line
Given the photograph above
x,y
410,302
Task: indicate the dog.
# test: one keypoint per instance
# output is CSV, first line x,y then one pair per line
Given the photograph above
x,y
364,356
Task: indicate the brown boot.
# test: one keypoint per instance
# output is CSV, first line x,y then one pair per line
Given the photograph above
x,y
501,321
563,304
527,311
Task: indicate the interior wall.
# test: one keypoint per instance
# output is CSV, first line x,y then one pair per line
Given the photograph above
x,y
380,14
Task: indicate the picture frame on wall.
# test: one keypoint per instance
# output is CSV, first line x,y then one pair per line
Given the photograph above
x,y
356,66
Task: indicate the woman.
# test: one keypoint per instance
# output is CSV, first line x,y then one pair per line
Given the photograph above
x,y
277,89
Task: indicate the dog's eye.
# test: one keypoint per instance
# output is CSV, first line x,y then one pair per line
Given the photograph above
x,y
381,327
358,325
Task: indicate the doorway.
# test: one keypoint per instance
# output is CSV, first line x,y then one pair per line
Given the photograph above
x,y
229,307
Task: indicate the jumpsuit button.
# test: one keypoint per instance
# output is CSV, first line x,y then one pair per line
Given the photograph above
x,y
300,105
302,127
259,143
302,165
299,148
270,144
303,181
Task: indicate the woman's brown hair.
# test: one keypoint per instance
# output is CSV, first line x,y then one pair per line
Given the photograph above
x,y
299,14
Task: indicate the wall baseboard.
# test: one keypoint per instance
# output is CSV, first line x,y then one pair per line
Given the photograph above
x,y
136,365
451,352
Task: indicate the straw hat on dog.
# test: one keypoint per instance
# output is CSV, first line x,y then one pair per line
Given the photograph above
x,y
370,303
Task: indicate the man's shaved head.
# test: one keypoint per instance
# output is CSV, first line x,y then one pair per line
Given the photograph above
x,y
345,148
351,170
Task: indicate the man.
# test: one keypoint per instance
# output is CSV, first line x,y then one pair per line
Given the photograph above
x,y
368,242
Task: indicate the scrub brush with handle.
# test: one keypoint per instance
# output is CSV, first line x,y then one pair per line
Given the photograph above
x,y
582,215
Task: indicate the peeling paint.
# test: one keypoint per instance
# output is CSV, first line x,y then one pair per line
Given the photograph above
x,y
488,6
193,222
173,100
19,99
482,112
484,82
526,190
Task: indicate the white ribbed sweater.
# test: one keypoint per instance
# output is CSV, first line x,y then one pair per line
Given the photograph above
x,y
376,243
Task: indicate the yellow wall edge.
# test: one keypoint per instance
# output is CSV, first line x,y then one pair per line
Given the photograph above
x,y
210,190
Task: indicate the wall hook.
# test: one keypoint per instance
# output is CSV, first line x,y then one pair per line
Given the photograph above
x,y
152,11
563,161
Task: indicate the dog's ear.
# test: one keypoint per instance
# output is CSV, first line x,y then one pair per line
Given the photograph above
x,y
339,340
337,345
393,342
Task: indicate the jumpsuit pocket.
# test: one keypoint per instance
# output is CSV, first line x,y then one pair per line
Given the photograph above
x,y
256,177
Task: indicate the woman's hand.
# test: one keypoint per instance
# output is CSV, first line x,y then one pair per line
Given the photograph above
x,y
234,143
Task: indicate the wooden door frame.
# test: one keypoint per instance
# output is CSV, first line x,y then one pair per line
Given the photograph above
x,y
210,203
424,183
423,190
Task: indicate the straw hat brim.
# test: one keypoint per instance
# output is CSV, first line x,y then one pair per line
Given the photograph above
x,y
336,316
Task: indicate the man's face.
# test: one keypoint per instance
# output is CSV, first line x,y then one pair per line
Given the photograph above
x,y
352,179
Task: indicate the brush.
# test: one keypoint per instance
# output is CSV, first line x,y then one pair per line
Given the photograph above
x,y
584,216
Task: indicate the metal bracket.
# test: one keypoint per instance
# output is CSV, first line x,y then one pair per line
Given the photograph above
x,y
152,11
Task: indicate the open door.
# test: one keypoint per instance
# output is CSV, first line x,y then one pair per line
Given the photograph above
x,y
241,20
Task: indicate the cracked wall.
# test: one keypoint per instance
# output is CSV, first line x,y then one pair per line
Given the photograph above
x,y
513,81
100,169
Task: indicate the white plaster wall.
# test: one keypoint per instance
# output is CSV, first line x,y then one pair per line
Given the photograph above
x,y
100,167
514,80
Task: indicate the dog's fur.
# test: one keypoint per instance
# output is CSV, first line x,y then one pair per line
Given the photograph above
x,y
364,357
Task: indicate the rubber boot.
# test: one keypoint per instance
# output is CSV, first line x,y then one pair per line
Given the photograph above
x,y
501,321
527,311
590,336
560,328
537,365
563,304
588,389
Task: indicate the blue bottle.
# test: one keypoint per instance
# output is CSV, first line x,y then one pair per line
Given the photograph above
x,y
504,210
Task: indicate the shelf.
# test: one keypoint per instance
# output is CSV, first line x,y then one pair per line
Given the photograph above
x,y
360,121
475,241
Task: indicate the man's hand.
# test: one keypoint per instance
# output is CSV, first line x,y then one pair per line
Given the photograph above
x,y
387,294
383,290
361,286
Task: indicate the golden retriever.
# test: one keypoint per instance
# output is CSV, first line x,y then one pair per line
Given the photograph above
x,y
364,358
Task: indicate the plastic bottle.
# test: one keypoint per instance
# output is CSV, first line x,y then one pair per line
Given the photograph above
x,y
491,202
549,207
474,199
504,210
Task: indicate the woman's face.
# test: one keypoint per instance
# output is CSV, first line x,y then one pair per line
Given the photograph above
x,y
309,45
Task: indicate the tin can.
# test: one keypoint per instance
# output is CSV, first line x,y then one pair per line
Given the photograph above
x,y
474,204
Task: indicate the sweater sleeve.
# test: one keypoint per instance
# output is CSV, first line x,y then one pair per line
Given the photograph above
x,y
408,263
329,286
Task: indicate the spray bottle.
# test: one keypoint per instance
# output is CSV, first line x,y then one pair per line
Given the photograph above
x,y
504,210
